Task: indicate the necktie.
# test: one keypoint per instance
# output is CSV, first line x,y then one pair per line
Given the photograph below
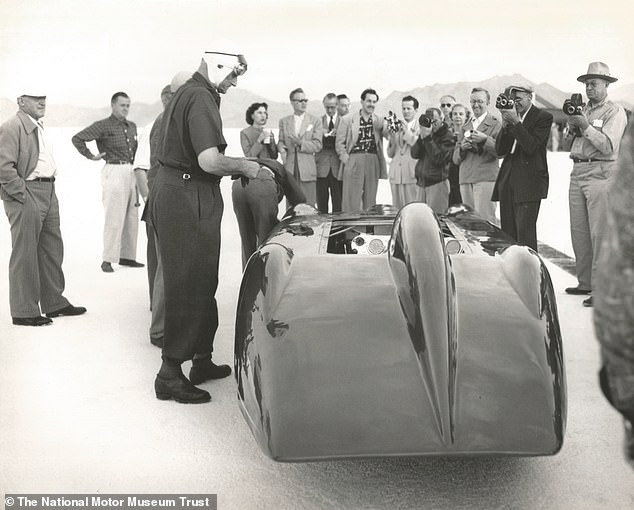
x,y
331,125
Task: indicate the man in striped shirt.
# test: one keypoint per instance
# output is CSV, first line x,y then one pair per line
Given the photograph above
x,y
116,139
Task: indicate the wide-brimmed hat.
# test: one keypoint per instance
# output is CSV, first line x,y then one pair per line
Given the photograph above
x,y
597,70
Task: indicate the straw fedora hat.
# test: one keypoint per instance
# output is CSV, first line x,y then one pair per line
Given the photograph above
x,y
597,70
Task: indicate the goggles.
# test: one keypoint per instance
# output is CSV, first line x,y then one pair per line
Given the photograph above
x,y
238,69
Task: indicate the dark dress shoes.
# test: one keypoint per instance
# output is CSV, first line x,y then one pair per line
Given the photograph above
x,y
180,389
68,311
201,373
106,267
578,291
130,263
588,302
32,321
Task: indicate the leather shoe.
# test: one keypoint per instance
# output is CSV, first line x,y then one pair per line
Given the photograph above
x,y
179,389
578,291
588,302
31,321
130,263
201,373
106,267
157,341
67,310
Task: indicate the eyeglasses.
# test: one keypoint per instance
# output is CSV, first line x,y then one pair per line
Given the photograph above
x,y
448,105
300,100
239,69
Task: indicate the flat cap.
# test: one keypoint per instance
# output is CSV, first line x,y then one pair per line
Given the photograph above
x,y
521,88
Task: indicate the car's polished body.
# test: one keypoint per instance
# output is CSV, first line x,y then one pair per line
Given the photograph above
x,y
445,341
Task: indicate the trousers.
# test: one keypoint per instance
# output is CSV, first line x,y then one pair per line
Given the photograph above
x,y
186,214
360,181
329,186
436,196
35,267
588,198
121,217
255,207
478,196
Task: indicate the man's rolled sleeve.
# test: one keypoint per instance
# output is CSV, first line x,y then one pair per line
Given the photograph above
x,y
607,139
89,134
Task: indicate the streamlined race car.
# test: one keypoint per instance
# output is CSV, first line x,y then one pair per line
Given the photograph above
x,y
388,333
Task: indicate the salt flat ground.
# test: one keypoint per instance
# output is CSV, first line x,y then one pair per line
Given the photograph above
x,y
78,412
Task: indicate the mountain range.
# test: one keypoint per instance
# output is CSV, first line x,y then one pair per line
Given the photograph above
x,y
235,103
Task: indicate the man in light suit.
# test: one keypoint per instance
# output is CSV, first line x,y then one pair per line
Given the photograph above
x,y
359,144
27,189
403,165
475,153
328,177
300,137
522,182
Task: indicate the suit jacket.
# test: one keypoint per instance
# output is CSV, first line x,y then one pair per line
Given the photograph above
x,y
348,134
403,165
526,171
254,149
310,134
327,159
19,153
482,164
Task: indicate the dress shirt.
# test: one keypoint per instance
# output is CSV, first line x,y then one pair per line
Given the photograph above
x,y
142,156
46,163
298,122
332,120
117,138
521,120
602,138
478,120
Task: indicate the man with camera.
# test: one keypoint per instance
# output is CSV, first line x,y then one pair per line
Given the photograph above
x,y
475,153
433,150
523,178
402,135
596,129
359,144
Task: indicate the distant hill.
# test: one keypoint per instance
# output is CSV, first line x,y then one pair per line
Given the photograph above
x,y
623,94
235,103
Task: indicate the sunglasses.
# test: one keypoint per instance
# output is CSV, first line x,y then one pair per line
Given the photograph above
x,y
448,105
239,69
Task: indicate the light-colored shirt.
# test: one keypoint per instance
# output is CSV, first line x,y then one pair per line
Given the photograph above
x,y
298,122
46,163
478,120
602,138
522,117
142,156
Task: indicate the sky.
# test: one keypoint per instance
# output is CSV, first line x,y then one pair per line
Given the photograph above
x,y
81,51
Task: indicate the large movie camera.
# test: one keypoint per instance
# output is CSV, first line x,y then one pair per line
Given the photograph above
x,y
394,125
425,120
504,101
574,105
